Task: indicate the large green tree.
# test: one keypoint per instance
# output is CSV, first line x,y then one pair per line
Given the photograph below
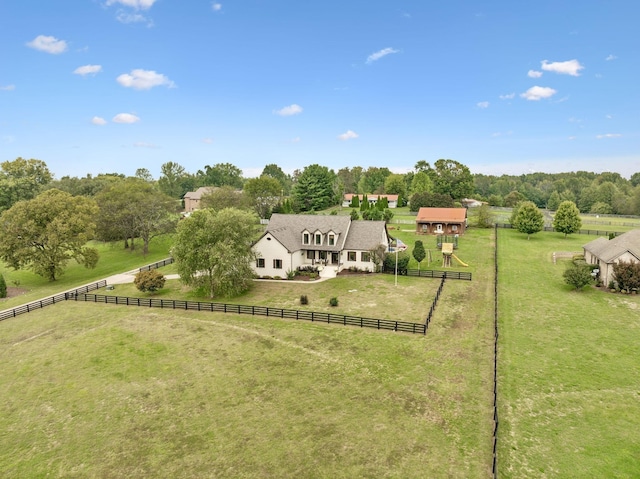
x,y
313,190
395,185
221,174
21,179
567,218
453,178
372,180
174,180
44,233
224,197
264,193
527,218
212,250
274,171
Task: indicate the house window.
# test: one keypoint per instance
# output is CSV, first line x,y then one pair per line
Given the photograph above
x,y
332,240
305,238
365,257
311,255
351,256
323,254
454,227
318,238
260,262
277,264
425,227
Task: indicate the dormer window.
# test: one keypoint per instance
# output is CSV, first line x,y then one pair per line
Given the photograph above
x,y
306,238
318,238
331,239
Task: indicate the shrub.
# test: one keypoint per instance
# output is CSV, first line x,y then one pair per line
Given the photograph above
x,y
578,275
149,281
3,287
304,299
291,274
333,301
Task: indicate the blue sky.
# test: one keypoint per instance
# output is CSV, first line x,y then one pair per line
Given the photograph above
x,y
97,86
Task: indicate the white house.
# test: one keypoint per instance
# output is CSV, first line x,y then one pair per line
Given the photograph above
x,y
607,252
371,198
331,241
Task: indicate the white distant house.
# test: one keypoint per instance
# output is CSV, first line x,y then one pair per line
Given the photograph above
x,y
607,252
329,241
372,199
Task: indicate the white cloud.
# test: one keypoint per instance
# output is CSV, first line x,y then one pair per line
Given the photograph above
x,y
208,141
608,135
534,74
289,110
572,138
48,44
125,17
348,135
508,96
137,4
143,79
216,7
88,70
96,120
538,93
570,67
7,87
125,118
379,54
483,104
611,57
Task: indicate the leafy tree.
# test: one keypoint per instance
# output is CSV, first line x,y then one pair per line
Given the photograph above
x,y
133,208
496,200
225,197
149,281
373,180
567,218
44,233
484,218
172,179
418,252
627,275
144,174
212,250
378,255
354,215
452,178
403,262
87,186
3,287
528,218
372,214
421,183
395,185
350,179
431,200
600,208
554,201
387,214
274,171
635,179
21,180
577,275
263,193
313,190
513,198
221,174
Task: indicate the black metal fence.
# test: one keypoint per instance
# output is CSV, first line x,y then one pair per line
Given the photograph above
x,y
582,232
301,315
157,265
435,303
58,298
430,273
495,355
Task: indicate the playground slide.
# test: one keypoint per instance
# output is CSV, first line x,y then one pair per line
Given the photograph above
x,y
459,260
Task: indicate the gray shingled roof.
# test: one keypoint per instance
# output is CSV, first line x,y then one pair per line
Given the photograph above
x,y
609,250
365,235
288,229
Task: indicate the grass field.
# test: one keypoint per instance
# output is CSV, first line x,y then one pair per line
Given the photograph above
x,y
110,391
569,382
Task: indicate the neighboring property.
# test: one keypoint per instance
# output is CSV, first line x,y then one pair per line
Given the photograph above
x,y
607,252
338,242
470,203
448,221
192,198
372,199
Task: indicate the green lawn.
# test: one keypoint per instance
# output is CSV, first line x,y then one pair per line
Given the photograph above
x,y
569,383
113,391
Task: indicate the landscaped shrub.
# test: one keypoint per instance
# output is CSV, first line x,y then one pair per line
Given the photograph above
x,y
333,301
291,274
3,287
304,299
149,281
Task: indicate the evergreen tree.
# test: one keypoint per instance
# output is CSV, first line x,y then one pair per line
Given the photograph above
x,y
419,252
3,287
355,215
554,201
355,201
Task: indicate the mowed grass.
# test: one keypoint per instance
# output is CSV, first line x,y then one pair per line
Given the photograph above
x,y
569,382
113,259
113,391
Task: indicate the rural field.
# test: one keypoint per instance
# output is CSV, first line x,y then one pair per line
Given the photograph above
x,y
96,390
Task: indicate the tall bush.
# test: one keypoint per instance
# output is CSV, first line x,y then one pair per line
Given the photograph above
x,y
3,287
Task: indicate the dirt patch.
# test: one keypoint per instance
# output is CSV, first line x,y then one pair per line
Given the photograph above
x,y
12,292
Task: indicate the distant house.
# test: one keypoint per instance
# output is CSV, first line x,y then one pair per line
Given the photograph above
x,y
192,198
441,221
607,252
372,199
470,203
331,241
